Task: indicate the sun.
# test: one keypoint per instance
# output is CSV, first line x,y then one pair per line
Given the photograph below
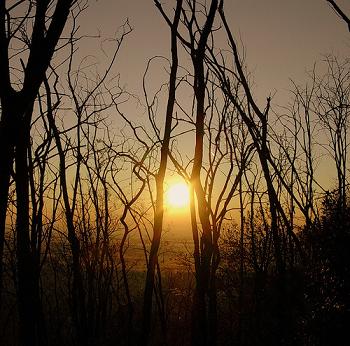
x,y
177,195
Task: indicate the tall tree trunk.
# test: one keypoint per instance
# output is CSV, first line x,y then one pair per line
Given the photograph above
x,y
6,162
204,333
159,209
29,302
78,292
241,266
43,41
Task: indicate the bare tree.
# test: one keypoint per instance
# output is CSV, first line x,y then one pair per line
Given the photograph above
x,y
257,122
159,207
332,105
17,102
89,245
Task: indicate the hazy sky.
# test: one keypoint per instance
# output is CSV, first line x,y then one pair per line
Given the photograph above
x,y
282,38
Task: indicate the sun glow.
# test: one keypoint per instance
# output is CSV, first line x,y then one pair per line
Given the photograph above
x,y
177,195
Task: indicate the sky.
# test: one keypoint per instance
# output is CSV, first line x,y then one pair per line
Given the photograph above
x,y
282,40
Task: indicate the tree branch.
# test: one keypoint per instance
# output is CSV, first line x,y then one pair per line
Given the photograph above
x,y
340,12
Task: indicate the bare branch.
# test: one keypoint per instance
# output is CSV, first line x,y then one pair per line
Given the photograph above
x,y
339,12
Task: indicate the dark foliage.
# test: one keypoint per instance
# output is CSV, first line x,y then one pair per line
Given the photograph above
x,y
328,274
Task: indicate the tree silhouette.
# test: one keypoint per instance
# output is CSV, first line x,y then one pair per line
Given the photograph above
x,y
86,258
17,102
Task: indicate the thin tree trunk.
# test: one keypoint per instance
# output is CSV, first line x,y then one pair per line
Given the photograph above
x,y
78,298
159,210
204,332
6,162
29,302
241,266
